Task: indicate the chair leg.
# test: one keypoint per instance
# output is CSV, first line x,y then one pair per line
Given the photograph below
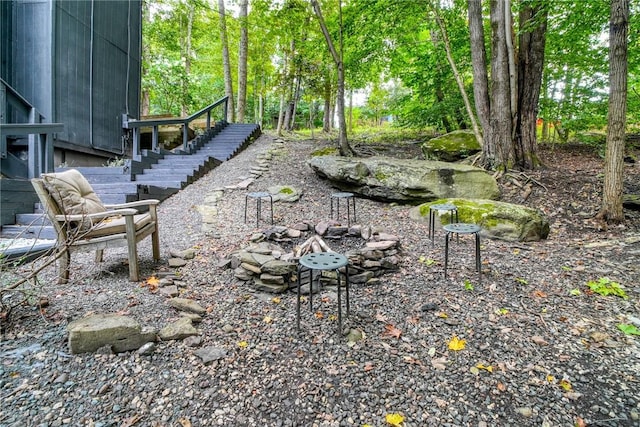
x,y
132,249
65,261
155,244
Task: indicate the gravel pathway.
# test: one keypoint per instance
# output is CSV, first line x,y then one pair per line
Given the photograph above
x,y
537,352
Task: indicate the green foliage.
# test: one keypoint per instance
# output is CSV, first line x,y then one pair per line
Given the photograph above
x,y
468,285
426,261
522,281
629,329
605,287
326,151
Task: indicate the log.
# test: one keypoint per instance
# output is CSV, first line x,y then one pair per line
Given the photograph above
x,y
323,244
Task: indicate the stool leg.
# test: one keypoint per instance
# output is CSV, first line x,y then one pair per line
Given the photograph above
x,y
258,210
298,299
311,290
271,200
331,202
446,253
346,281
348,216
246,199
354,209
478,261
339,306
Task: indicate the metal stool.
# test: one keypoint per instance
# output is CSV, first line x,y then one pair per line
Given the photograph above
x,y
433,209
258,196
323,261
462,228
346,196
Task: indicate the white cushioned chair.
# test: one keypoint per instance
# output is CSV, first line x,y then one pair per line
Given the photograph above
x,y
84,223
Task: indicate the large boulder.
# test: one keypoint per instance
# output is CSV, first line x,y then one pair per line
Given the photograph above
x,y
405,181
499,220
120,333
453,146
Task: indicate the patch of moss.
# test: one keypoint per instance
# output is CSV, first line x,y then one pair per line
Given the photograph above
x,y
326,151
381,176
286,190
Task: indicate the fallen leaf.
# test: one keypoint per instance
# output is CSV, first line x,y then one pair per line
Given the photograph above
x,y
184,422
539,294
128,422
243,344
442,315
439,363
392,331
368,366
539,340
484,367
380,317
457,344
319,315
501,387
267,319
394,420
580,422
276,300
566,385
440,402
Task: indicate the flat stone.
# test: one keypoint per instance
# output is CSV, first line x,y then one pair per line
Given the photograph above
x,y
210,354
170,291
121,333
177,262
271,279
185,254
382,244
270,287
251,268
188,305
278,267
178,330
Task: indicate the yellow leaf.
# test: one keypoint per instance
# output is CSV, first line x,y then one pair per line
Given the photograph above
x,y
442,315
243,344
267,319
551,378
153,281
394,419
456,343
276,300
333,317
566,385
486,368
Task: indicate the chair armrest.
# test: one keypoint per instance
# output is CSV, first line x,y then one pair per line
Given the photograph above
x,y
99,215
146,202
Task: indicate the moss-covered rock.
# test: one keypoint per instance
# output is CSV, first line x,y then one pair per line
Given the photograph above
x,y
456,145
405,180
284,193
499,220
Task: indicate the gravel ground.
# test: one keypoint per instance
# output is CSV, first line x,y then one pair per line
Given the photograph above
x,y
537,353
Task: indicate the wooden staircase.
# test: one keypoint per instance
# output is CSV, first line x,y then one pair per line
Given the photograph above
x,y
157,175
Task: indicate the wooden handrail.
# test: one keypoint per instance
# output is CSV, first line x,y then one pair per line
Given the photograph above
x,y
135,125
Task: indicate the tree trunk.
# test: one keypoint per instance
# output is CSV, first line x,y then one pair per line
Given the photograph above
x,y
326,116
343,142
458,77
530,66
242,60
479,65
500,120
228,83
611,210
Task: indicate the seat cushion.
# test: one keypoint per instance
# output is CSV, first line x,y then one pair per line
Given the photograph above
x,y
73,194
116,225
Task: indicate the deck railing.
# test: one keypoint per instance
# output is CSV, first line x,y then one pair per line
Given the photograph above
x,y
154,124
38,133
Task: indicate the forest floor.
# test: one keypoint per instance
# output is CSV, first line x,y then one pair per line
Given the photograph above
x,y
540,347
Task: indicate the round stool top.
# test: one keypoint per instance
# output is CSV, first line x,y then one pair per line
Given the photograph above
x,y
324,261
259,194
342,194
444,207
461,228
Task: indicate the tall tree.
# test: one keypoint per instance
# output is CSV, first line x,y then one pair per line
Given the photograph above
x,y
242,59
228,82
343,142
500,110
611,210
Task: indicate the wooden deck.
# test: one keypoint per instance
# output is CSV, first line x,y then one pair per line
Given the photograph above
x,y
157,176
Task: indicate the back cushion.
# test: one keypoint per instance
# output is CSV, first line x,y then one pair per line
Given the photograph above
x,y
73,193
